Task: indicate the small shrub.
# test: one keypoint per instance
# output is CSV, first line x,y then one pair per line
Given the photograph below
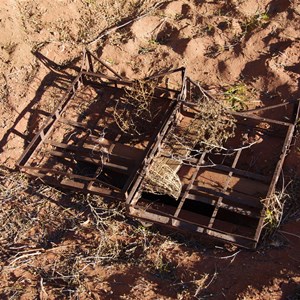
x,y
134,112
236,96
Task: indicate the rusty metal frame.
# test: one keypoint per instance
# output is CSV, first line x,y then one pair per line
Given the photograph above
x,y
218,200
245,208
62,150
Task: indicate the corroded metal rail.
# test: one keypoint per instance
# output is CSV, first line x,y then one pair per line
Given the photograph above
x,y
221,200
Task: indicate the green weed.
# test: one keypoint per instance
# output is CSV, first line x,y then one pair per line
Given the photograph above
x,y
255,21
149,47
236,97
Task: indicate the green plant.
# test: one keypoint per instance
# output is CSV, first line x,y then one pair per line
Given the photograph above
x,y
282,205
110,61
271,218
162,266
209,29
178,16
254,21
236,96
149,47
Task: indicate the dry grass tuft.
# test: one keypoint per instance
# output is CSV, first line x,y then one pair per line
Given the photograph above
x,y
211,126
162,179
283,205
274,207
135,111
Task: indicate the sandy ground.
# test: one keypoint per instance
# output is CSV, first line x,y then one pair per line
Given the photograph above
x,y
55,245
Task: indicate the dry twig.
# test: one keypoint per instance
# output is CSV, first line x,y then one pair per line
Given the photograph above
x,y
115,28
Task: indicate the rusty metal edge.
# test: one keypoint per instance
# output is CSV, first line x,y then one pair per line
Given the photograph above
x,y
173,222
275,177
42,135
51,121
137,179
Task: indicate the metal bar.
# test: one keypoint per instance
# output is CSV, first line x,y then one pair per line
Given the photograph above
x,y
43,133
262,119
100,75
280,133
188,86
105,65
82,187
68,175
242,173
95,161
90,61
249,201
79,186
279,165
211,201
113,84
124,151
241,211
93,153
239,114
186,192
219,201
296,113
164,73
276,173
85,126
125,84
270,106
176,92
171,221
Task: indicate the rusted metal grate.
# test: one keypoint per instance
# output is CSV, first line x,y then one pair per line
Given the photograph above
x,y
80,147
222,192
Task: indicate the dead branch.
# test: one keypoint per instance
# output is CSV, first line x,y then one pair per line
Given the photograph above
x,y
207,285
134,111
24,256
233,256
115,28
289,233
